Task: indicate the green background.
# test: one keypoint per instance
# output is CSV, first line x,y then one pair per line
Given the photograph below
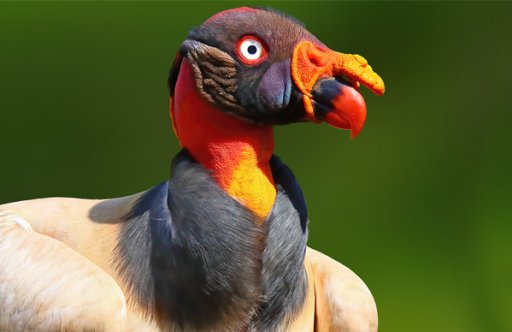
x,y
419,205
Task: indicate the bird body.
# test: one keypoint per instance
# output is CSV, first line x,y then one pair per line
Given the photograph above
x,y
121,230
222,244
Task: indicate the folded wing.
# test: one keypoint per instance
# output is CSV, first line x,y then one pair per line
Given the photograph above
x,y
47,286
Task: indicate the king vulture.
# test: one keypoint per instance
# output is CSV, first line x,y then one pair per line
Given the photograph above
x,y
220,245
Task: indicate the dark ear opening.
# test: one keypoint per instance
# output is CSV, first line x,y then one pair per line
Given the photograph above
x,y
175,70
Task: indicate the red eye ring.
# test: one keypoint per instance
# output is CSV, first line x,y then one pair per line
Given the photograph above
x,y
251,50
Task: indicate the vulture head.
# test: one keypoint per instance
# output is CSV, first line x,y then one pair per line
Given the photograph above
x,y
264,67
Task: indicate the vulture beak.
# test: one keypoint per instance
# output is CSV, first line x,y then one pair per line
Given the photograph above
x,y
329,80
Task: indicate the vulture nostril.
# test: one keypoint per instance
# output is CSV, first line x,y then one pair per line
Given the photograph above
x,y
316,59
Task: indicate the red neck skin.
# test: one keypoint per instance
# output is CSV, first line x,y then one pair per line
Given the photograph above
x,y
237,152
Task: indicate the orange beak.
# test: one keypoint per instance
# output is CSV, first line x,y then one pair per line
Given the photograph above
x,y
329,81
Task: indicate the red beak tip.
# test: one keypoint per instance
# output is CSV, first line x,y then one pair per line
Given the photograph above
x,y
354,132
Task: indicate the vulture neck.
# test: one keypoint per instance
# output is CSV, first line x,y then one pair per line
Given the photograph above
x,y
235,151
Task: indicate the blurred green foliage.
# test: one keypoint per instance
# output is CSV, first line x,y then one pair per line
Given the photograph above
x,y
419,205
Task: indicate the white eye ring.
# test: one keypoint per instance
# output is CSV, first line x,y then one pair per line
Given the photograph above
x,y
251,49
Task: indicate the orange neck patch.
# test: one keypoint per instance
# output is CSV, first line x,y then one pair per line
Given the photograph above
x,y
237,152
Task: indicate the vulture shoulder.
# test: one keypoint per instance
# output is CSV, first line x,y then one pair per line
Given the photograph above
x,y
343,302
56,266
47,286
89,227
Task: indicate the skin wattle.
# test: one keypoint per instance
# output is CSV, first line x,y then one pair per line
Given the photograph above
x,y
236,152
311,63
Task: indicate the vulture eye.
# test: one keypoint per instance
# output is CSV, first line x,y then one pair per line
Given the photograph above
x,y
251,50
